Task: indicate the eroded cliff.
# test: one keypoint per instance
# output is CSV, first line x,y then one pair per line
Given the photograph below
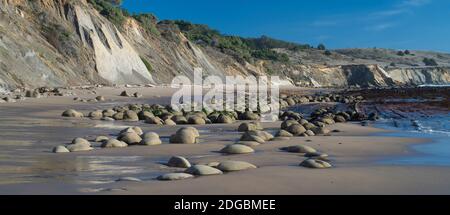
x,y
67,42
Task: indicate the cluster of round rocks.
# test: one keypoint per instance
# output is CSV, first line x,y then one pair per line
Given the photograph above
x,y
163,115
127,94
96,99
127,137
207,169
291,100
22,93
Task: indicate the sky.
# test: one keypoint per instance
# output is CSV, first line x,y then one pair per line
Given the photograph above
x,y
396,24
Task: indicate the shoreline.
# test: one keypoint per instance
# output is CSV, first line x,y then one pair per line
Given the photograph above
x,y
356,170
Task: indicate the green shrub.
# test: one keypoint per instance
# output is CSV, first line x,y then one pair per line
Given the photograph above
x,y
242,49
401,53
148,22
321,47
111,10
147,64
430,62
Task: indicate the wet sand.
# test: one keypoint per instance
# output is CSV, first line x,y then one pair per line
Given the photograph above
x,y
29,129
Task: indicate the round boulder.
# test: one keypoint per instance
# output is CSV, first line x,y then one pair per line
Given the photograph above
x,y
130,116
196,120
187,135
134,129
72,113
231,166
130,138
101,139
98,114
150,139
249,126
237,149
178,161
203,170
283,133
174,176
299,149
315,164
296,129
60,149
79,144
113,143
320,131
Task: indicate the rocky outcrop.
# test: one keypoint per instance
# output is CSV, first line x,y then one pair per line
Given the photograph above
x,y
420,76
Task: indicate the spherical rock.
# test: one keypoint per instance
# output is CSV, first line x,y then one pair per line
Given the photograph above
x,y
250,126
248,115
118,116
154,120
237,149
286,124
283,133
231,166
150,139
328,121
137,95
125,93
296,129
81,141
130,138
113,143
179,119
187,135
203,170
79,146
224,119
109,113
130,116
299,149
98,114
169,122
134,129
315,164
339,119
309,126
310,133
100,98
60,149
72,113
196,120
174,176
101,139
320,131
178,161
143,115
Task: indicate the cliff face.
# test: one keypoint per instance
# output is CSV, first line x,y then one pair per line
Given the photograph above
x,y
67,42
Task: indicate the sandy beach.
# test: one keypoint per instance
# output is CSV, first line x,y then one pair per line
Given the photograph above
x,y
29,129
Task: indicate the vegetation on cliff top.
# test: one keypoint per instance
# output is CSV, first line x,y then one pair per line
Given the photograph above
x,y
242,49
239,47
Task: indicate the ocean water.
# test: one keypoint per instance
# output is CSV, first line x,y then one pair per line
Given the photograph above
x,y
436,128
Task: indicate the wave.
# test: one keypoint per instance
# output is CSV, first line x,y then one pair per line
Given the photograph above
x,y
438,125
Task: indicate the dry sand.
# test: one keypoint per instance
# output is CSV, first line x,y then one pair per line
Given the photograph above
x,y
30,128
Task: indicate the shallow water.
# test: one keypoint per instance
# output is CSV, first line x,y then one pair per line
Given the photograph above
x,y
435,128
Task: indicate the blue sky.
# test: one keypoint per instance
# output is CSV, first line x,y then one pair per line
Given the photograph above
x,y
398,24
